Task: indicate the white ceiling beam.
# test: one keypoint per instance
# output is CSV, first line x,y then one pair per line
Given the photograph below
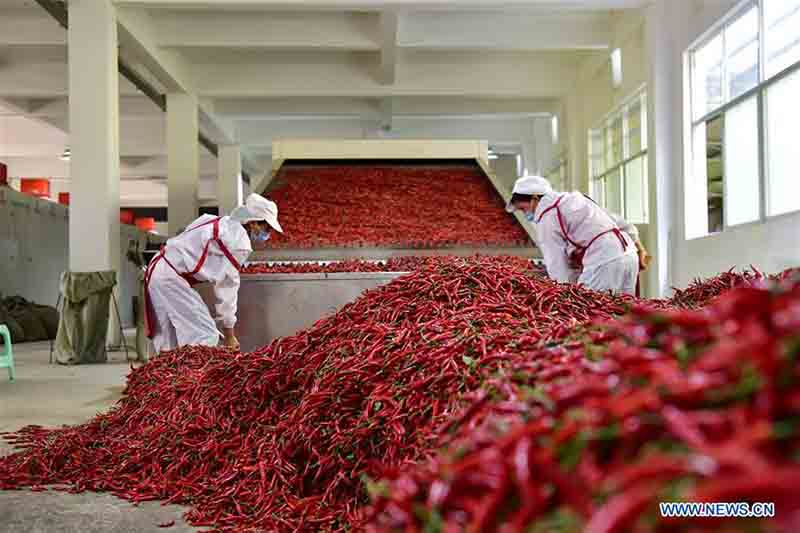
x,y
505,31
255,108
432,105
388,38
129,106
488,74
257,135
378,5
42,80
30,27
278,30
137,37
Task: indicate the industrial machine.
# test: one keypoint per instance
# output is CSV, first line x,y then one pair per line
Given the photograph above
x,y
277,305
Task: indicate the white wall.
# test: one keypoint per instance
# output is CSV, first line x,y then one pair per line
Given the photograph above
x,y
770,246
34,249
594,96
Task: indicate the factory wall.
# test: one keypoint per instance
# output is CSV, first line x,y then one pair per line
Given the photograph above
x,y
771,246
34,246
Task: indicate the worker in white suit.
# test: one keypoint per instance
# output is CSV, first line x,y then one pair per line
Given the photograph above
x,y
211,249
580,241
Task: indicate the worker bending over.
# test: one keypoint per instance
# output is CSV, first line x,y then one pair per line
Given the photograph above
x,y
211,249
580,241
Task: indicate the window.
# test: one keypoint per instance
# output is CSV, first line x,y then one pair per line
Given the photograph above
x,y
781,34
618,161
783,127
744,116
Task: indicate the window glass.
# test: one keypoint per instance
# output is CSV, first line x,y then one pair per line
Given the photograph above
x,y
613,192
596,148
616,141
714,173
634,130
742,188
643,121
783,130
636,190
599,191
707,77
782,34
696,189
741,50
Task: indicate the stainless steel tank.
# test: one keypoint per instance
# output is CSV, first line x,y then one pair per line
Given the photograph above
x,y
278,305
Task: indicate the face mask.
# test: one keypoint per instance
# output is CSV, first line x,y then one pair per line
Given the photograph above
x,y
260,236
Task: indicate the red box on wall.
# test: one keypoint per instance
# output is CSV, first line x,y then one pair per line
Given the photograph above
x,y
146,223
3,174
63,198
39,187
126,216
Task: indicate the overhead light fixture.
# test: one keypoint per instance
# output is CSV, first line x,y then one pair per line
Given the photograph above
x,y
493,156
66,155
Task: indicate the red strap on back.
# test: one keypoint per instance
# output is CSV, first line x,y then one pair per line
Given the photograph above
x,y
580,251
560,221
215,238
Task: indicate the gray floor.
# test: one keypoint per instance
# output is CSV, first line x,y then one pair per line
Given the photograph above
x,y
54,395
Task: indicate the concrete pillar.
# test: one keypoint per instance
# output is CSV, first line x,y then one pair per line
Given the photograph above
x,y
182,161
229,179
93,137
665,31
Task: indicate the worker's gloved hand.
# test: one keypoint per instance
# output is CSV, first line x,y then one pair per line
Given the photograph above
x,y
230,340
644,257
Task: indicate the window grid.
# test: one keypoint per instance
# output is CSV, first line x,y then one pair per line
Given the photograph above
x,y
609,162
759,91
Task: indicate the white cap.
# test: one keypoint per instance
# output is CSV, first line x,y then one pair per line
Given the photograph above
x,y
530,185
256,207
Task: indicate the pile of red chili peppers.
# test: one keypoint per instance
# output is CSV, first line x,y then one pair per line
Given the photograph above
x,y
550,412
394,264
280,439
590,435
701,292
391,206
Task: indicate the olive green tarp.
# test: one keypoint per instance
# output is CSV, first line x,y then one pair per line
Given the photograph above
x,y
83,326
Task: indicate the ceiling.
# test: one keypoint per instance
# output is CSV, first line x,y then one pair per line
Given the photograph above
x,y
264,69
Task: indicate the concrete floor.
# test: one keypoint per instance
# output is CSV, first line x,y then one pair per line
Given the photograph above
x,y
55,395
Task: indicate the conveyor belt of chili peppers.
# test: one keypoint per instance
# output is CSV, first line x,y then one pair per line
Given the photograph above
x,y
394,264
548,413
397,207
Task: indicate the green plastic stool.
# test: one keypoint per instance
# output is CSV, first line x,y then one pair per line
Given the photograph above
x,y
7,357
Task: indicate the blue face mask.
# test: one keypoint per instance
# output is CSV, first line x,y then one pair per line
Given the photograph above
x,y
530,217
261,236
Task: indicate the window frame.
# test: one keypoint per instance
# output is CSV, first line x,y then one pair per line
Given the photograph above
x,y
759,92
604,131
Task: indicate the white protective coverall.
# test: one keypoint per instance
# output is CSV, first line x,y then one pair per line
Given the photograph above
x,y
610,262
181,316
